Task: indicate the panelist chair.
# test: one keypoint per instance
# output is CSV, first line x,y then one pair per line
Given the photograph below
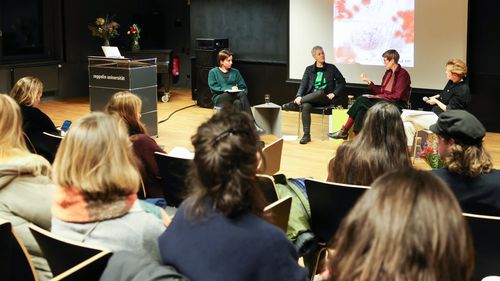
x,y
325,110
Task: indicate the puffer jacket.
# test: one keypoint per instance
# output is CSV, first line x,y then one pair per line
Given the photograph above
x,y
25,197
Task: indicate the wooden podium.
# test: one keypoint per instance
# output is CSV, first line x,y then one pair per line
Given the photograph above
x,y
110,75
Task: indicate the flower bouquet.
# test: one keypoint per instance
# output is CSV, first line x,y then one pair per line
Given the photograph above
x,y
135,33
430,155
105,28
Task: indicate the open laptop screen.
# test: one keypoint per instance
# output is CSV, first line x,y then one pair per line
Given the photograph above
x,y
112,52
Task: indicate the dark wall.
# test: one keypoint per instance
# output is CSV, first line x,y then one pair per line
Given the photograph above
x,y
257,30
483,61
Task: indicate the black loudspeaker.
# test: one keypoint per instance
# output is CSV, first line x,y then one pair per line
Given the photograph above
x,y
202,91
206,58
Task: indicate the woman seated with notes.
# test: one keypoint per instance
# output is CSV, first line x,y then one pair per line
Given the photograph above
x,y
227,85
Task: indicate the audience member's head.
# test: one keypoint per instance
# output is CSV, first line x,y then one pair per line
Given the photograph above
x,y
378,148
223,55
11,130
460,143
96,158
391,55
27,91
457,67
13,148
223,174
408,226
128,107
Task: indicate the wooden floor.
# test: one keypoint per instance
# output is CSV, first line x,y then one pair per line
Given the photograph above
x,y
298,160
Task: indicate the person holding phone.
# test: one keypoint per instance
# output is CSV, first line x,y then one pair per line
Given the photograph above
x,y
228,86
27,92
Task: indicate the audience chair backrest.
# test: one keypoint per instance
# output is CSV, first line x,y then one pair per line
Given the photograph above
x,y
279,212
330,203
173,172
15,262
64,255
268,188
485,232
272,153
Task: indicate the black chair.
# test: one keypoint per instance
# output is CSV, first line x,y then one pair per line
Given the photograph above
x,y
71,260
268,188
485,232
325,110
173,171
330,203
15,262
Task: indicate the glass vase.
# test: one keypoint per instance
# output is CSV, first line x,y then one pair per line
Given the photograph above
x,y
106,42
135,46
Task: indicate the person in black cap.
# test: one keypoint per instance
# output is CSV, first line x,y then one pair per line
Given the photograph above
x,y
468,167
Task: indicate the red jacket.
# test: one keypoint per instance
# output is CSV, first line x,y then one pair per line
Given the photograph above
x,y
400,89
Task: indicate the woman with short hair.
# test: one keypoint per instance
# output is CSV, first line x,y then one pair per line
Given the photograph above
x,y
97,181
379,147
218,232
27,92
408,226
395,89
127,106
228,86
25,187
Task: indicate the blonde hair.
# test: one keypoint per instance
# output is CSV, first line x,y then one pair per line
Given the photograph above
x,y
96,157
12,144
408,226
27,90
458,67
128,107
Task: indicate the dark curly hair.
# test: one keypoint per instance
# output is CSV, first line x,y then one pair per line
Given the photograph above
x,y
223,173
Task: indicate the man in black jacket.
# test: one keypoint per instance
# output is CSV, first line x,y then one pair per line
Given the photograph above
x,y
321,83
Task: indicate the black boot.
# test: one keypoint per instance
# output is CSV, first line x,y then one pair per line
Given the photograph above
x,y
305,139
289,106
343,133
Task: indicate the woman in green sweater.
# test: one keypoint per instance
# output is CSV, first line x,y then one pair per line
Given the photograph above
x,y
227,85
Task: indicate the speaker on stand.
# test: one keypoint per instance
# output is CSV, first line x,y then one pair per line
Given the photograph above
x,y
205,59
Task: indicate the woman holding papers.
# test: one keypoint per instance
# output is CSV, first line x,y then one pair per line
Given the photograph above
x,y
455,95
227,85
